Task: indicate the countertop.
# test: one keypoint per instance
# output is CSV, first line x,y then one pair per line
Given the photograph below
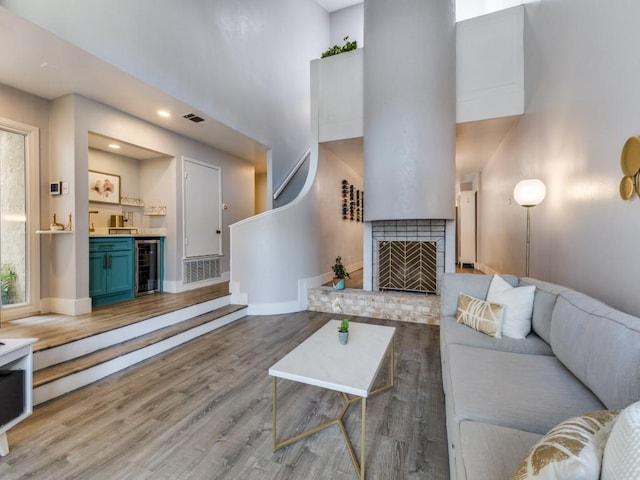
x,y
126,235
102,232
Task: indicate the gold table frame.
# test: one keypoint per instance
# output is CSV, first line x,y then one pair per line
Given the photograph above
x,y
359,464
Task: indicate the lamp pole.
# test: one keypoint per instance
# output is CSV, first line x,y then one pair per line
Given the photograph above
x,y
526,270
529,193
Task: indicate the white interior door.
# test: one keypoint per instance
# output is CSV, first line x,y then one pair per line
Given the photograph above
x,y
202,212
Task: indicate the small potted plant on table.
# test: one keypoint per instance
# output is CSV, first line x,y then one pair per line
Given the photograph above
x,y
343,331
339,274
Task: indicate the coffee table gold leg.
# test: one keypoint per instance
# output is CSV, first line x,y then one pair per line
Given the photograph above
x,y
393,363
362,439
273,416
359,465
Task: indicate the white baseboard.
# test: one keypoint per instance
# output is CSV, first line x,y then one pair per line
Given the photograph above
x,y
66,306
274,308
59,387
485,269
238,297
242,298
52,356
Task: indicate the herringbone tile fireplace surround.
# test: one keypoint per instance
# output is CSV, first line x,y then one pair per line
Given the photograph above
x,y
408,255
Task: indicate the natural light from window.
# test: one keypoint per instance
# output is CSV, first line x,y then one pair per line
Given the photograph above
x,y
466,9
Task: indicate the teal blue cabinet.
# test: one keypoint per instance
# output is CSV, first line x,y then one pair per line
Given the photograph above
x,y
110,270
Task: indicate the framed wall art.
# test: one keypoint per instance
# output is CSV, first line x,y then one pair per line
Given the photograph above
x,y
104,187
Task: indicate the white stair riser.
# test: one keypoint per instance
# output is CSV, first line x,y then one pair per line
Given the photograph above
x,y
63,353
77,380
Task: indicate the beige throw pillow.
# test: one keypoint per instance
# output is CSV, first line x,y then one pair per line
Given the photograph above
x,y
480,315
571,450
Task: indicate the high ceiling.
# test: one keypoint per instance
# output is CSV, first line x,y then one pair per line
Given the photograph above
x,y
36,61
333,5
40,63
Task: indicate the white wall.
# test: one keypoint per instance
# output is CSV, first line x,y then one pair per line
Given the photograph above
x,y
473,8
490,66
278,254
348,21
242,62
339,237
582,92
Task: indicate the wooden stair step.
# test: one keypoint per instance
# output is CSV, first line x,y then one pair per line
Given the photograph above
x,y
55,372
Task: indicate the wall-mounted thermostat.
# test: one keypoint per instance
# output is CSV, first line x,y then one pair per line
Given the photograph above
x,y
55,188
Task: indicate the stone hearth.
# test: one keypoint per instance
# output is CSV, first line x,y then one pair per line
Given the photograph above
x,y
390,305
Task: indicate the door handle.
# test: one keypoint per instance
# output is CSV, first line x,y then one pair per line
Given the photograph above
x,y
110,261
218,232
104,261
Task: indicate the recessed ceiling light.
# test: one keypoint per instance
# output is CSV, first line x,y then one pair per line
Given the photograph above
x,y
164,113
115,146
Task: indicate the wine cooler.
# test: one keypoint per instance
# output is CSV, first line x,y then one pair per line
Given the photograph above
x,y
147,262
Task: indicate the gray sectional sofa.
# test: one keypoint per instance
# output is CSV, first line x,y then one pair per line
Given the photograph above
x,y
503,394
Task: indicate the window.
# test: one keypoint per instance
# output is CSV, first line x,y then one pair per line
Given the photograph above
x,y
19,214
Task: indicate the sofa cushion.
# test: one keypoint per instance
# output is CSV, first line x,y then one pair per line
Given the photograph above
x,y
453,332
572,449
469,283
518,302
600,345
491,451
543,304
622,453
482,316
528,392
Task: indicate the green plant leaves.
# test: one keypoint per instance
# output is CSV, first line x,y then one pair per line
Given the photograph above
x,y
336,49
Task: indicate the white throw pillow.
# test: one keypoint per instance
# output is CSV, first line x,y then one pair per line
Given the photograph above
x,y
622,453
570,451
518,302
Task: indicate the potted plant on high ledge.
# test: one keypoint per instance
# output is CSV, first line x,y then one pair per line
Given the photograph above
x,y
337,49
339,274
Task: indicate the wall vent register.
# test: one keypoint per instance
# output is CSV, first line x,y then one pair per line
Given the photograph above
x,y
201,269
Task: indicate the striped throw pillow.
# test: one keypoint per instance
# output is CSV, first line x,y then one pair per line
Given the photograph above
x,y
482,316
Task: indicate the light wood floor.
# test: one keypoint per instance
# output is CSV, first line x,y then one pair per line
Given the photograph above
x,y
203,411
53,330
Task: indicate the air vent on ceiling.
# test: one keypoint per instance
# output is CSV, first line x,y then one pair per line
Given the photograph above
x,y
193,117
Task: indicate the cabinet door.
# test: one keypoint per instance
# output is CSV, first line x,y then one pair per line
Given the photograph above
x,y
97,274
120,271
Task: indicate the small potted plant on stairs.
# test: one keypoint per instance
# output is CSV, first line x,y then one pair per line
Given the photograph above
x,y
339,274
343,331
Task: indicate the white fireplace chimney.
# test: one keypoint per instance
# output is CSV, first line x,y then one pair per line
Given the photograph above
x,y
409,109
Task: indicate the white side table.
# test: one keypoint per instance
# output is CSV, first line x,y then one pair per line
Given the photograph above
x,y
17,354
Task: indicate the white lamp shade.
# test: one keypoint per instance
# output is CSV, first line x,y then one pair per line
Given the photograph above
x,y
529,193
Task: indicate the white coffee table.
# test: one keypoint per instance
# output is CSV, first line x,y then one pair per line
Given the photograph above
x,y
350,369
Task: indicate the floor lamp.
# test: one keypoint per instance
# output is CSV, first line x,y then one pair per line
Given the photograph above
x,y
529,193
